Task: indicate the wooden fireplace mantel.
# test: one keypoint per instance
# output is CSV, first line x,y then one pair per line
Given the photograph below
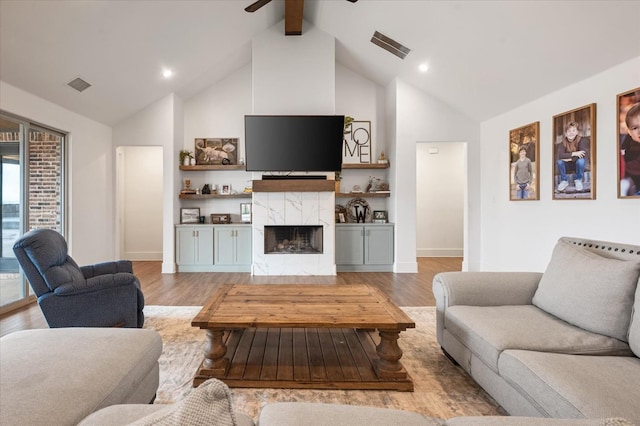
x,y
294,185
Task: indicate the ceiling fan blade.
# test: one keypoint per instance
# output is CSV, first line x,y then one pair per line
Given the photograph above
x,y
352,1
256,5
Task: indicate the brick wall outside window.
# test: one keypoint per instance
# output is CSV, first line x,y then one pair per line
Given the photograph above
x,y
45,178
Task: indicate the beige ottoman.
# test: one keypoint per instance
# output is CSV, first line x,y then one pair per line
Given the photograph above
x,y
59,376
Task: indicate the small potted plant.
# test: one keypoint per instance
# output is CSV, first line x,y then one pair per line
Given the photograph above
x,y
185,157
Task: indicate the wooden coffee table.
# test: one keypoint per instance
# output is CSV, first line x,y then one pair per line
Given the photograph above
x,y
303,336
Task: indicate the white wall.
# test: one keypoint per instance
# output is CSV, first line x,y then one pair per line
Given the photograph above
x,y
91,183
218,112
287,79
363,100
420,117
159,125
440,178
521,236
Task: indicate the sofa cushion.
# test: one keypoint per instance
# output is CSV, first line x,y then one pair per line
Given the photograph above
x,y
533,421
589,290
208,404
489,330
95,368
575,386
308,413
124,414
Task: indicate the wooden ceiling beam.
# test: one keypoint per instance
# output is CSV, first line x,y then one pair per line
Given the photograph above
x,y
293,17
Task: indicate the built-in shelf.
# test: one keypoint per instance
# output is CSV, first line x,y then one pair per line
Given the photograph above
x,y
205,196
294,185
213,167
365,166
362,195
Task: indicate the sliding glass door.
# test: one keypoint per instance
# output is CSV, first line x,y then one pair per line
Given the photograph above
x,y
32,195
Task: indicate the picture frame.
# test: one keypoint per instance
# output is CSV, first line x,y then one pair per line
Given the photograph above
x,y
190,215
356,143
225,189
380,216
628,142
245,212
524,164
216,151
220,218
574,154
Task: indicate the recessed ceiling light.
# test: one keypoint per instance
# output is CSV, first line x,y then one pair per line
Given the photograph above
x,y
423,67
167,73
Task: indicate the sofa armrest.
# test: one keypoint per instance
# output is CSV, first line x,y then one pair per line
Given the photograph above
x,y
90,271
481,289
485,288
99,283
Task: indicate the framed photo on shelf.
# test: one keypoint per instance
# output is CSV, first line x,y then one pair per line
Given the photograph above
x,y
211,151
225,189
380,216
628,143
190,215
574,151
524,166
245,212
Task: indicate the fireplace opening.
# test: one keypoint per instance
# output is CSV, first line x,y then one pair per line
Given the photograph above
x,y
303,239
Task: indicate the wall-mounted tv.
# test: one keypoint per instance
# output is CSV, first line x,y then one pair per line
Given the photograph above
x,y
293,143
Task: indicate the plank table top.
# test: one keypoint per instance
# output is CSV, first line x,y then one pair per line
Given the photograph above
x,y
300,306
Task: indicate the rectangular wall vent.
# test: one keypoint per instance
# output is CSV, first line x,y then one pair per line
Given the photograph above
x,y
79,84
390,45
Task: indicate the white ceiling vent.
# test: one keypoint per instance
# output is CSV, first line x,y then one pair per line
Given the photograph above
x,y
390,45
79,84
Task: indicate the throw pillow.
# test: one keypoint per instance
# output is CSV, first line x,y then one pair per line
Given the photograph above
x,y
590,291
208,404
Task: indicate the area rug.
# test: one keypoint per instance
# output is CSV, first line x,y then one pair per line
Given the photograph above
x,y
441,389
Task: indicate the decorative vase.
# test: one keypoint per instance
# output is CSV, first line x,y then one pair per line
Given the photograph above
x,y
193,161
185,161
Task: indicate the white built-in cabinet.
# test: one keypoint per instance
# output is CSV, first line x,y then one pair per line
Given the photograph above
x,y
213,248
364,247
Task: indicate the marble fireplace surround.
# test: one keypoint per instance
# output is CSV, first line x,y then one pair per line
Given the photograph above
x,y
293,202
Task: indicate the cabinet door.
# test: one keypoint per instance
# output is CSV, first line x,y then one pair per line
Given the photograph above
x,y
224,245
185,246
243,246
349,245
204,241
378,245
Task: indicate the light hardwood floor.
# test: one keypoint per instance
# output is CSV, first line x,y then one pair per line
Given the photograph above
x,y
193,288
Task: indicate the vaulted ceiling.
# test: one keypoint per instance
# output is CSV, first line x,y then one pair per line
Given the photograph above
x,y
485,57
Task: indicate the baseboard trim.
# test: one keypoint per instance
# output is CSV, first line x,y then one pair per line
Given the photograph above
x,y
440,252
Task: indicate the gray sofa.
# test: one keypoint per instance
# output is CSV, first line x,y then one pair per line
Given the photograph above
x,y
562,344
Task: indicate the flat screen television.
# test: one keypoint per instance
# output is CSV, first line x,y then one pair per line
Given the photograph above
x,y
293,143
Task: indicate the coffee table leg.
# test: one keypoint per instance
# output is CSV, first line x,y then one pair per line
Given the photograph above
x,y
388,366
214,353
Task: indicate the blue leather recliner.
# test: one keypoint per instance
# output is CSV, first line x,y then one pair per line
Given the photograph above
x,y
102,295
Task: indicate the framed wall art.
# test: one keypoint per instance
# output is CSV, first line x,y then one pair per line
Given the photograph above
x,y
380,216
245,212
574,150
216,151
356,145
524,167
190,215
628,143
